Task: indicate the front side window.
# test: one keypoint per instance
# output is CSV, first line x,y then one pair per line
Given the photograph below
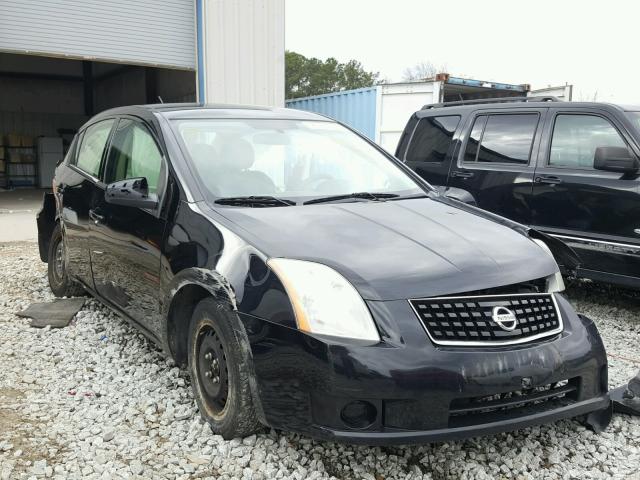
x,y
134,154
287,158
432,139
92,147
576,138
502,139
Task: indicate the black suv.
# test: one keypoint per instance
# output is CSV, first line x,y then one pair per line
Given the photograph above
x,y
568,169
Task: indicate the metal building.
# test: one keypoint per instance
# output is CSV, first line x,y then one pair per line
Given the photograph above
x,y
61,61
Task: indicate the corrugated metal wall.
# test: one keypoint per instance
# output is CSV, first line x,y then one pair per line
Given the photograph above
x,y
146,32
356,108
244,52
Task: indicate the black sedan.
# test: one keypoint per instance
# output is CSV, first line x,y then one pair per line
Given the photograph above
x,y
310,282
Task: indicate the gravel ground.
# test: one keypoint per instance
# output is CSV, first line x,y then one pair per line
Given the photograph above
x,y
97,400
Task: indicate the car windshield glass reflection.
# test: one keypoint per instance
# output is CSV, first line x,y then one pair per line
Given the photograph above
x,y
288,159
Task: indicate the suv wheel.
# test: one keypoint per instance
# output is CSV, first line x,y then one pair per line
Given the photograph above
x,y
219,373
59,282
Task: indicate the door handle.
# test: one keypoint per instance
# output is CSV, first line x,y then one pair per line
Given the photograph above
x,y
548,180
96,217
461,174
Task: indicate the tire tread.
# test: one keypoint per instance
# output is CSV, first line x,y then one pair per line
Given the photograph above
x,y
244,419
68,287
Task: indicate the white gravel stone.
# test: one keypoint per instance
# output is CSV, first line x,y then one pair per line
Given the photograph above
x,y
96,400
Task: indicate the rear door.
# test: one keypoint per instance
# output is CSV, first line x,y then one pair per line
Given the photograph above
x,y
431,147
125,241
79,188
495,162
596,212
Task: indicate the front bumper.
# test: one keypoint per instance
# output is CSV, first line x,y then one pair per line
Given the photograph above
x,y
600,405
415,392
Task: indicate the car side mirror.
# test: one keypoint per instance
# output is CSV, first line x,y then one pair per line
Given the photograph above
x,y
132,192
458,194
615,159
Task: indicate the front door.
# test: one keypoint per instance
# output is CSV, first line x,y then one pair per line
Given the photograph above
x,y
594,211
495,163
125,250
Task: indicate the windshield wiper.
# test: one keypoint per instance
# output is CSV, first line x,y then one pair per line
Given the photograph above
x,y
255,201
407,197
364,195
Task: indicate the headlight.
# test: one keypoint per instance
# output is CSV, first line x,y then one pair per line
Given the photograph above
x,y
555,283
324,302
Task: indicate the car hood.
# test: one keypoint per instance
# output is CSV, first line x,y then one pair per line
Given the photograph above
x,y
397,249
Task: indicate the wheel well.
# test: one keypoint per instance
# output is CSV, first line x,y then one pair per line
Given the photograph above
x,y
178,320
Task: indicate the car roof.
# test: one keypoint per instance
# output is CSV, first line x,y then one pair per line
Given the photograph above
x,y
444,109
203,110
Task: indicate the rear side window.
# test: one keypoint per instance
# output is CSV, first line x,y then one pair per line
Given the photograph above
x,y
576,137
70,155
92,147
502,139
134,154
432,138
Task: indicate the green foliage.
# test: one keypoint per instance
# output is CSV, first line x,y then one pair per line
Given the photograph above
x,y
312,76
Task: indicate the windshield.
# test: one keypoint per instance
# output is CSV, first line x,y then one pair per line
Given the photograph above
x,y
288,159
635,118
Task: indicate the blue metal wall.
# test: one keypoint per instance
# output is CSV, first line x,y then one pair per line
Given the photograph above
x,y
356,108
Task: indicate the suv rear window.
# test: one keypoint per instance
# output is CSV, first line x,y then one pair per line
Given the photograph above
x,y
502,138
432,138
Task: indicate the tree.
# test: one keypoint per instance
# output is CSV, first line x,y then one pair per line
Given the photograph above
x,y
311,76
420,71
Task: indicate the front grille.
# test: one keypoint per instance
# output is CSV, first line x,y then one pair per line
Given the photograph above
x,y
479,410
469,320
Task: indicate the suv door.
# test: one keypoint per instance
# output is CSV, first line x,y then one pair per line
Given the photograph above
x,y
78,187
495,162
431,147
125,250
594,211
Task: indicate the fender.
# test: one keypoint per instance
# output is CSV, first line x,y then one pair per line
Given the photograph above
x,y
46,220
222,291
210,280
174,331
564,255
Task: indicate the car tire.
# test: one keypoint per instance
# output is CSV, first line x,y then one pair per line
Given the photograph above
x,y
59,281
220,373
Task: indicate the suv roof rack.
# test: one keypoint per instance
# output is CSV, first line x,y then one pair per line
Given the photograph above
x,y
492,100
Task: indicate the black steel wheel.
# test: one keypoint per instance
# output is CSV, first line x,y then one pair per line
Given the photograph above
x,y
212,368
220,371
59,281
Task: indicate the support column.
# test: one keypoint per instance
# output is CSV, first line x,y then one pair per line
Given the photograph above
x,y
242,48
87,79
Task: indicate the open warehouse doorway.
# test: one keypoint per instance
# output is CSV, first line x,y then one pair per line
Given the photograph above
x,y
62,61
44,101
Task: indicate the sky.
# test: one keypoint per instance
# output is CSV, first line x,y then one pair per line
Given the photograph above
x,y
592,45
